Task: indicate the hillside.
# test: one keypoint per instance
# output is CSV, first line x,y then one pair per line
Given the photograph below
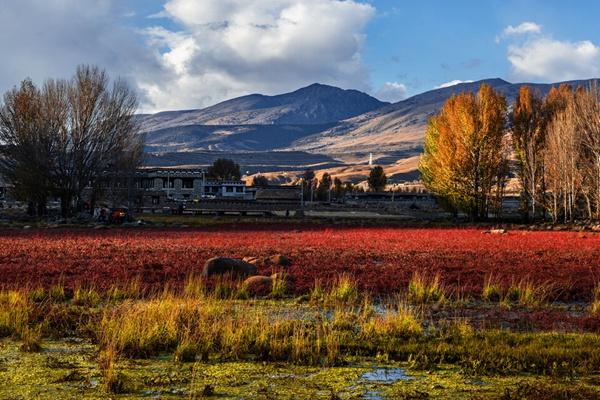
x,y
315,120
312,105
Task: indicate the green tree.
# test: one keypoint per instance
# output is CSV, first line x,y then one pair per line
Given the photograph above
x,y
224,169
324,187
377,179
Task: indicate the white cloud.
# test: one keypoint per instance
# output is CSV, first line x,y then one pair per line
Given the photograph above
x,y
228,48
525,27
217,49
48,39
392,92
553,60
521,29
451,83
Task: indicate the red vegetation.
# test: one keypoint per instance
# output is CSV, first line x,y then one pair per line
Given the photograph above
x,y
381,259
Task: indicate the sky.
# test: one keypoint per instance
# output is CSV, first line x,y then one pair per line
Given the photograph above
x,y
187,54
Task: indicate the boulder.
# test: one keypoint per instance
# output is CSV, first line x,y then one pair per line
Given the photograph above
x,y
496,231
252,260
228,266
258,285
278,260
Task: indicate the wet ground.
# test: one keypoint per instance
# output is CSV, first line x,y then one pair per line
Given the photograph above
x,y
69,370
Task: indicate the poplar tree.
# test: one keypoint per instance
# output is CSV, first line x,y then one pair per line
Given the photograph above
x,y
465,151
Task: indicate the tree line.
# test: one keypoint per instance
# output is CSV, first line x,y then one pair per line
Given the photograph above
x,y
68,135
551,144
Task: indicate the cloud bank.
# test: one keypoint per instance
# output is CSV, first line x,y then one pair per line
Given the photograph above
x,y
227,48
541,57
392,92
213,49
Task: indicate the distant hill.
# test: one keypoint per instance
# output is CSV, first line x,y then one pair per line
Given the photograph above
x,y
401,126
312,105
342,125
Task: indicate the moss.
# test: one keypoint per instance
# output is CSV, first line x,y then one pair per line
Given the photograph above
x,y
69,370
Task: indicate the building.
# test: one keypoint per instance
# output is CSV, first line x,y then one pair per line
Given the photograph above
x,y
160,186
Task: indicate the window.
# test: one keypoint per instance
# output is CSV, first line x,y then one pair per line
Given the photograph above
x,y
147,183
229,189
239,189
155,200
168,183
187,183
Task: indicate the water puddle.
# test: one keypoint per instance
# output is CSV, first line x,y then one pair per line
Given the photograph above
x,y
386,375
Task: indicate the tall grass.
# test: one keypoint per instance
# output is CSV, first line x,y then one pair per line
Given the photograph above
x,y
595,304
15,310
425,289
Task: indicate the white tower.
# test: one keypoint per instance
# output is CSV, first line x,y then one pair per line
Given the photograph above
x,y
370,159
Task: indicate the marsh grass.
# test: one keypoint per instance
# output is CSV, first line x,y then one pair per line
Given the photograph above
x,y
424,289
15,311
527,294
87,297
595,304
129,290
194,323
343,290
31,340
279,286
492,290
114,380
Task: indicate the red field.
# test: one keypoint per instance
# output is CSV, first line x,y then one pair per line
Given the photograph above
x,y
381,259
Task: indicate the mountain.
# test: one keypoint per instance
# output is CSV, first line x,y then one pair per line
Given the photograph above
x,y
343,126
313,105
401,126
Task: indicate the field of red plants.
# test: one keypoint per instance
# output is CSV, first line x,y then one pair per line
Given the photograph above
x,y
381,259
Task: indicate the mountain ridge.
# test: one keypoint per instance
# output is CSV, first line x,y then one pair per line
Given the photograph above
x,y
389,131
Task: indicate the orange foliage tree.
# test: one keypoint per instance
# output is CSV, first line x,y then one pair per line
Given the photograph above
x,y
465,154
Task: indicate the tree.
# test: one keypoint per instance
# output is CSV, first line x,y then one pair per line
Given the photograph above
x,y
529,137
324,187
377,179
26,145
587,118
339,190
464,152
98,136
308,184
78,133
260,181
223,169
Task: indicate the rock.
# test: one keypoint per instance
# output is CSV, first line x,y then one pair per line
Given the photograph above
x,y
258,285
278,260
595,228
497,231
251,260
228,266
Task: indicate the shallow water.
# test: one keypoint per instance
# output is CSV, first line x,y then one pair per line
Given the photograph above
x,y
386,375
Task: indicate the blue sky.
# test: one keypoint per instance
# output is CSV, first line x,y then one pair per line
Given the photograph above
x,y
425,43
191,53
